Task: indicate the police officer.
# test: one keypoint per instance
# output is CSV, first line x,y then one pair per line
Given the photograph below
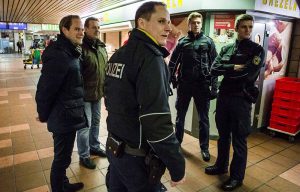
x,y
192,58
136,98
240,64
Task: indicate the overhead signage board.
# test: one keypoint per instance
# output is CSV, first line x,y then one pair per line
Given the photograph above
x,y
17,26
34,27
50,27
3,25
280,7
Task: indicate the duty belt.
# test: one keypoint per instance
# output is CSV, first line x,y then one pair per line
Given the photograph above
x,y
134,151
131,151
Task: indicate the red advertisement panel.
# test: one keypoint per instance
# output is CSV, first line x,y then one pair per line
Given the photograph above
x,y
224,21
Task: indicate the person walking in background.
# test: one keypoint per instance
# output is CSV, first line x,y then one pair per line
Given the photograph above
x,y
19,45
192,59
139,120
94,60
239,63
59,98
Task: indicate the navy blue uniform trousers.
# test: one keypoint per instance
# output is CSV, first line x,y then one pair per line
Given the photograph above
x,y
233,119
128,174
200,92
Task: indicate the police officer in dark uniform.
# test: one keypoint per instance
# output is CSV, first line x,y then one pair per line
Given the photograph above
x,y
240,64
192,59
139,119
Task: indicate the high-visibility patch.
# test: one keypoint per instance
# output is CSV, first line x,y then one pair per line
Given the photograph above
x,y
256,60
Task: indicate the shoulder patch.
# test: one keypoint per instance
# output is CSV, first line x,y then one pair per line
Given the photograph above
x,y
256,60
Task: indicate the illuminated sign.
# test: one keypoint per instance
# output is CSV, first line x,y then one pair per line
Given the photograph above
x,y
17,26
3,25
34,27
173,3
50,27
281,7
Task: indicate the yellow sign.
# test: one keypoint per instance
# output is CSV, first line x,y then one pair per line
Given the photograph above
x,y
282,4
173,3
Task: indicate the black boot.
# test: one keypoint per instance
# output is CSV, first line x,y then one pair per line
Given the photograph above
x,y
231,184
72,187
215,170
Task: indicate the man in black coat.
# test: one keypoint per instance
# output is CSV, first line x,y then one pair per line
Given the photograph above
x,y
136,97
59,98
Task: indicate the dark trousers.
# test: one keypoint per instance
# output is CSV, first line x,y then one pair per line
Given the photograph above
x,y
19,49
63,147
200,93
233,119
128,174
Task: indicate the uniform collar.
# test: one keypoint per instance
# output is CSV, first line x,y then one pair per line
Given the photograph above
x,y
95,43
192,36
150,36
149,40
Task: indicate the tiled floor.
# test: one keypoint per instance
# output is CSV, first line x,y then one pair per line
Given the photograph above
x,y
26,149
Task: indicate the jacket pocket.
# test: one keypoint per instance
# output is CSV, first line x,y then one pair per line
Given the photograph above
x,y
91,91
74,111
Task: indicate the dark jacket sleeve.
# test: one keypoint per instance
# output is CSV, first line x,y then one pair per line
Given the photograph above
x,y
254,64
55,68
155,117
219,66
212,56
175,60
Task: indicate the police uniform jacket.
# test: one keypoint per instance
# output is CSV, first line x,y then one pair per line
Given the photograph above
x,y
94,59
59,94
193,57
136,98
240,52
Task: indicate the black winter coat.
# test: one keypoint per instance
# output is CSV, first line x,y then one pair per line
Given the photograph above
x,y
59,94
136,97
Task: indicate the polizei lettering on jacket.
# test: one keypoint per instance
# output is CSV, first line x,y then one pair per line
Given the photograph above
x,y
115,70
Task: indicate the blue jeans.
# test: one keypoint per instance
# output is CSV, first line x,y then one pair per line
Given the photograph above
x,y
129,174
87,138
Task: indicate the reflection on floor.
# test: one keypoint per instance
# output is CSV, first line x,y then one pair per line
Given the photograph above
x,y
26,149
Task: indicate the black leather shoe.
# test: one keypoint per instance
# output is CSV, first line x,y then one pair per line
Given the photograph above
x,y
231,184
205,155
72,187
87,163
215,170
99,153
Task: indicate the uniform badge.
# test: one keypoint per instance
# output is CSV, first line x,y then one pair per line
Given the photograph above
x,y
256,60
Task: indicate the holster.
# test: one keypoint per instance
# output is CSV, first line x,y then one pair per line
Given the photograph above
x,y
155,167
251,94
115,146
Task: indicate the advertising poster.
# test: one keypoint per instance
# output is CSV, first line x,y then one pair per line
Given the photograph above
x,y
223,28
278,48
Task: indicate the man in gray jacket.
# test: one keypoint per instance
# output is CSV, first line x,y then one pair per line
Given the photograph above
x,y
94,58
